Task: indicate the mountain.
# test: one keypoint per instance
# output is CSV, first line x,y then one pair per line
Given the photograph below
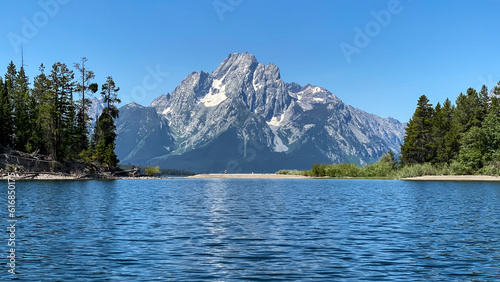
x,y
95,110
243,117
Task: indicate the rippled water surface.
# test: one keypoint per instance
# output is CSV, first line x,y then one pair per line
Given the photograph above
x,y
233,229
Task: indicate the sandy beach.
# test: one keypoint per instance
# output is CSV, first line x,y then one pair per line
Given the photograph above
x,y
61,176
282,176
453,178
249,176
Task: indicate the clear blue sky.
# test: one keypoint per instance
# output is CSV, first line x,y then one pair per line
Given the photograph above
x,y
437,48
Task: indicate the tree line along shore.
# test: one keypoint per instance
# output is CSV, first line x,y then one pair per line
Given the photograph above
x,y
49,120
448,139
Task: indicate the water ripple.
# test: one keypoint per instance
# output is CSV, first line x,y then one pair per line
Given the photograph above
x,y
258,230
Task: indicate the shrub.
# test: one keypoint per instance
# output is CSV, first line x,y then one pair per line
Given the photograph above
x,y
493,169
290,172
318,170
379,169
152,170
416,170
343,170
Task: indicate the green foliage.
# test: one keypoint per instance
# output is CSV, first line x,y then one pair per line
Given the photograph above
x,y
465,137
290,172
61,90
176,172
491,129
440,131
47,118
164,172
42,96
444,140
104,137
7,106
152,170
492,168
317,170
343,170
418,146
378,169
22,112
416,170
384,168
109,92
472,150
84,87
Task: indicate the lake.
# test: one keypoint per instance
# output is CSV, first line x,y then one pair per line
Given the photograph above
x,y
237,229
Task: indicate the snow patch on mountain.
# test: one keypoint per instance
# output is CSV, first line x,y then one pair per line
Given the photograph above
x,y
243,115
279,146
216,95
167,110
276,121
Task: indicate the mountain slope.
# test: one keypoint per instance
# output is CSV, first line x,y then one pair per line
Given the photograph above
x,y
242,117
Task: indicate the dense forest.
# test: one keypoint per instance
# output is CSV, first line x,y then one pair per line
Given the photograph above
x,y
457,139
465,135
51,117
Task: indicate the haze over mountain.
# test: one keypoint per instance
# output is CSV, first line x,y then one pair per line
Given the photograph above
x,y
243,117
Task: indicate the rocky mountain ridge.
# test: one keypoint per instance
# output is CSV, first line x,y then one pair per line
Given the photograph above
x,y
243,117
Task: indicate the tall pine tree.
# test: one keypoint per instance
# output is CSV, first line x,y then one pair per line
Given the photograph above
x,y
7,106
417,146
61,82
21,97
86,89
441,131
104,134
491,129
43,111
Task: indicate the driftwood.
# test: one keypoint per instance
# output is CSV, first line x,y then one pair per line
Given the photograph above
x,y
33,165
130,172
9,156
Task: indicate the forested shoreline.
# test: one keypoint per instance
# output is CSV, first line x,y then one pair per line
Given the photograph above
x,y
447,139
50,116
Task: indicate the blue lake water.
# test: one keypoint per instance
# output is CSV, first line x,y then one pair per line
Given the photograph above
x,y
234,229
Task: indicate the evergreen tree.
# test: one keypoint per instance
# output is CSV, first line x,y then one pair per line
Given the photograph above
x,y
86,89
496,90
472,150
466,115
4,122
72,141
491,129
417,146
484,101
104,133
42,118
109,91
105,140
441,129
46,118
469,110
21,97
61,81
7,106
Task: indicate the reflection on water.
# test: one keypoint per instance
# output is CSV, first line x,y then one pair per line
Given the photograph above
x,y
223,229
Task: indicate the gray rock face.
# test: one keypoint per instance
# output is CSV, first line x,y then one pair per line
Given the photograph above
x,y
95,110
242,117
142,135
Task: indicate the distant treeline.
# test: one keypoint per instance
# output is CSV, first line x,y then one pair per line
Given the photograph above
x,y
51,116
384,168
158,171
463,138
